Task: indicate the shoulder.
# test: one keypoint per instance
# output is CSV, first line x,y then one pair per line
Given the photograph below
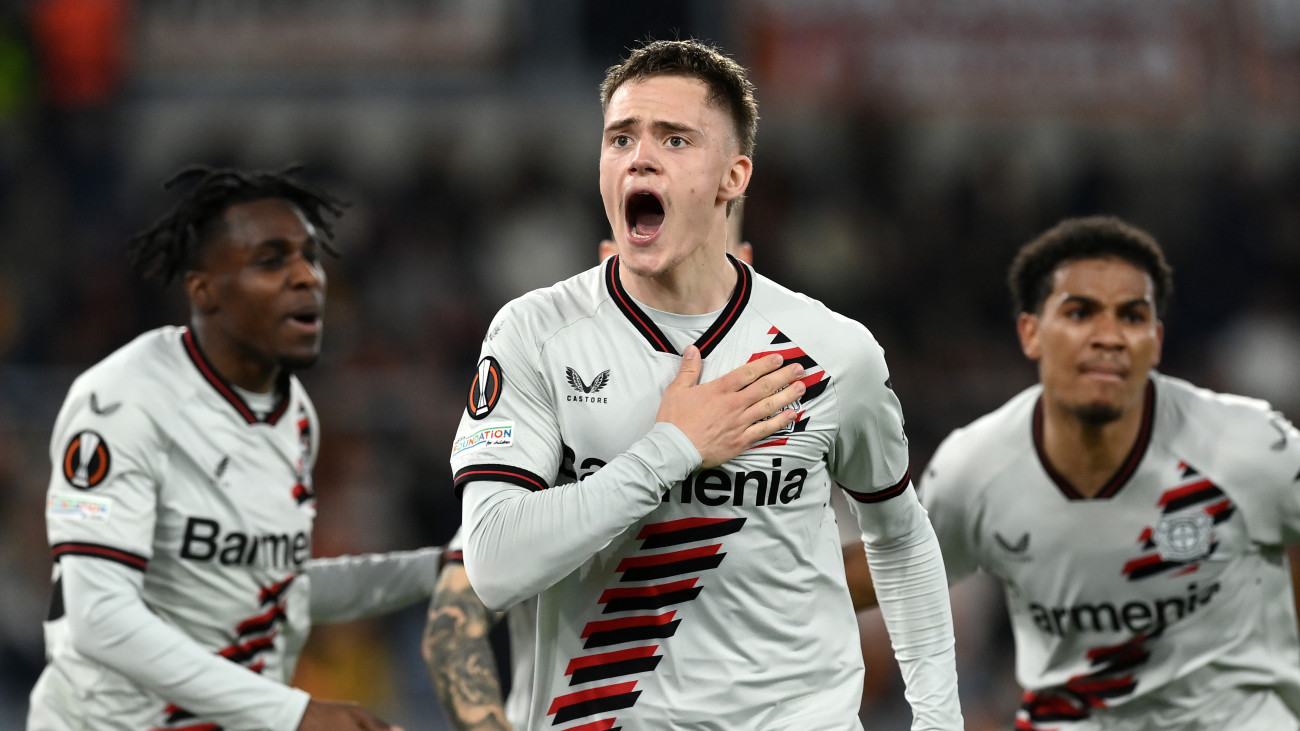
x,y
973,455
1237,438
539,314
842,344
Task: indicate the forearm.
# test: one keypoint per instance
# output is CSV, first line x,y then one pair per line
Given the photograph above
x,y
346,588
459,655
110,624
910,586
518,542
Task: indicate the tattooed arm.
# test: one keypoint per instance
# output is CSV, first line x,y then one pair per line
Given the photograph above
x,y
459,657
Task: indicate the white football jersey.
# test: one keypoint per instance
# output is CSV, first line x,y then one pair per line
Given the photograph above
x,y
1162,603
161,467
726,606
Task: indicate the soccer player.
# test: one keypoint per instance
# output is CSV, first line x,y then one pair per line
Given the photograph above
x,y
650,446
456,646
180,506
1137,522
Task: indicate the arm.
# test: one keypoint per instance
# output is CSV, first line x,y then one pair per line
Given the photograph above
x,y
910,586
353,587
859,577
110,624
459,657
521,541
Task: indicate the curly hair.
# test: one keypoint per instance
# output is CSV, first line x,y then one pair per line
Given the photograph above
x,y
171,246
1093,237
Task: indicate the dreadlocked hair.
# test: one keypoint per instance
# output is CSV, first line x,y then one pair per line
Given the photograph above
x,y
171,246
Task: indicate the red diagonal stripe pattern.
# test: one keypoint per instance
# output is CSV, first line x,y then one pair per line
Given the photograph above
x,y
590,694
638,591
587,661
606,625
671,557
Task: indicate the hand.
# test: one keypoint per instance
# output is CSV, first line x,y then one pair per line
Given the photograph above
x,y
336,716
724,417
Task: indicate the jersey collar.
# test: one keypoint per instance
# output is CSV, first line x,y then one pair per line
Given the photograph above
x,y
651,332
224,389
1126,468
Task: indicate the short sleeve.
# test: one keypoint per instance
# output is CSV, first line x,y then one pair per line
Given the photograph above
x,y
941,493
508,428
103,489
1261,469
869,455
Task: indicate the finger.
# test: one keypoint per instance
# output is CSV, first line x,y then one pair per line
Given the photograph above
x,y
765,428
773,382
689,372
744,375
775,405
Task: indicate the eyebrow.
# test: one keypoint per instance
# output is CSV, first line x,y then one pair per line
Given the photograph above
x,y
1085,299
657,126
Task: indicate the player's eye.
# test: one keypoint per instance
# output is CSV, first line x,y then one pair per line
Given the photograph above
x,y
621,140
272,261
676,141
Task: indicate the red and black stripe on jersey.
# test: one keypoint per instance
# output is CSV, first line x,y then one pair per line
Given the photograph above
x,y
174,716
95,550
1126,468
881,495
1077,698
676,565
1199,491
815,380
223,387
710,338
256,635
498,473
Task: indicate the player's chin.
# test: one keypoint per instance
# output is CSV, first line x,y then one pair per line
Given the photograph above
x,y
301,356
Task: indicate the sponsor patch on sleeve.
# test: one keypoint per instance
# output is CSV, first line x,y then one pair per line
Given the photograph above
x,y
78,507
498,435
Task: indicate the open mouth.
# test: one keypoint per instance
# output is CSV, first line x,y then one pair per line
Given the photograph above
x,y
645,215
306,319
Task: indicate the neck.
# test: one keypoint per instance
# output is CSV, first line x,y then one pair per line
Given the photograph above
x,y
233,362
1088,455
699,284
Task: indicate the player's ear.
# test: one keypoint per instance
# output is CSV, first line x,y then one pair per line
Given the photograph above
x,y
607,249
1027,329
201,290
736,178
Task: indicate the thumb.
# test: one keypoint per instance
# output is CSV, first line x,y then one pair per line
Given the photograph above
x,y
689,373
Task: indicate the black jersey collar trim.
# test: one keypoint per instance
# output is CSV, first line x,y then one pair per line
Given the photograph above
x,y
227,391
651,332
1126,468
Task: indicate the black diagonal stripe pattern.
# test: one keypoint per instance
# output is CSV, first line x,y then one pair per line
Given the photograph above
x,y
635,633
675,568
815,390
1209,492
594,706
615,669
651,601
708,532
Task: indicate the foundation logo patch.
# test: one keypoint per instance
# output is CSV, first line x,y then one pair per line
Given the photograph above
x,y
86,460
76,507
499,435
485,391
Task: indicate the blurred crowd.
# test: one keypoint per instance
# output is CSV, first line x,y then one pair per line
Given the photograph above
x,y
906,225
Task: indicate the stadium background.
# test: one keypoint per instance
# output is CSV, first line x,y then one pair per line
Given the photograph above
x,y
906,150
